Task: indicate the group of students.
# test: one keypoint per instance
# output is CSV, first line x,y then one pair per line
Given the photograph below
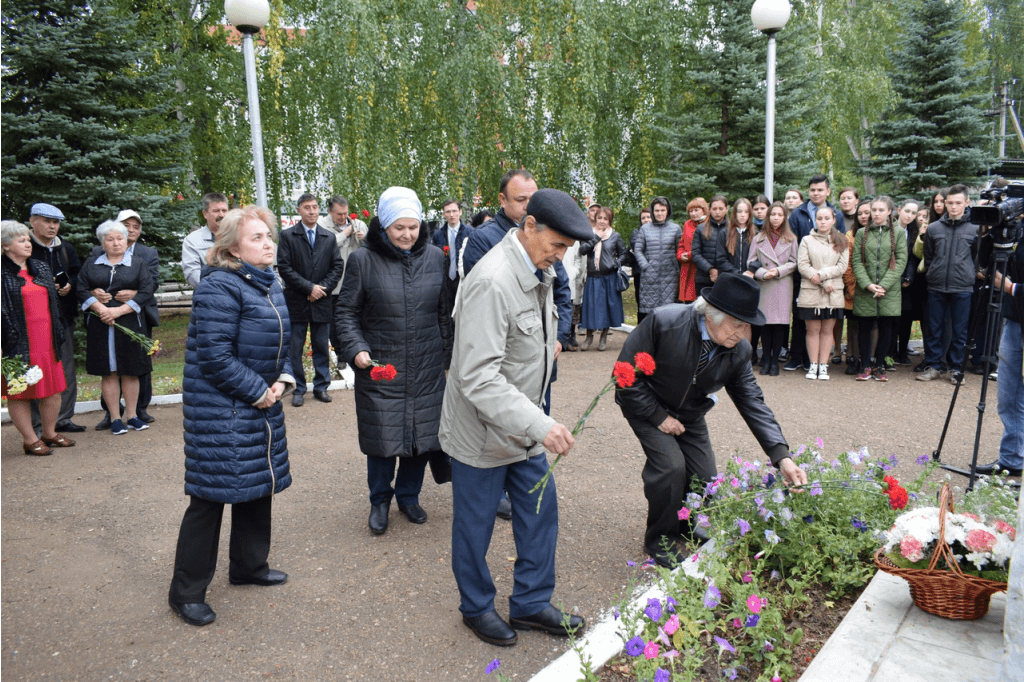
x,y
818,265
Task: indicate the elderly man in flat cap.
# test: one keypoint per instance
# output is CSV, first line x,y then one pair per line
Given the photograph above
x,y
47,246
494,426
698,349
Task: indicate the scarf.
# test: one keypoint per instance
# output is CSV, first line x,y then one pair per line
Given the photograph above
x,y
264,277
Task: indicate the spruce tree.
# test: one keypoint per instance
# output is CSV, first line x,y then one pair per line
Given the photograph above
x,y
935,134
87,121
717,139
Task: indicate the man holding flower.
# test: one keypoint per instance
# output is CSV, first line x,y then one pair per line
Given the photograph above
x,y
493,424
699,348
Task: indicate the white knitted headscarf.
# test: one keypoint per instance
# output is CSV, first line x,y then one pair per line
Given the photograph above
x,y
396,203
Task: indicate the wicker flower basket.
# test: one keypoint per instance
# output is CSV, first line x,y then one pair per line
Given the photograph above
x,y
948,593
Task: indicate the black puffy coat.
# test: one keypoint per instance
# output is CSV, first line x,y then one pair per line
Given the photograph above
x,y
394,306
735,262
704,252
15,329
237,348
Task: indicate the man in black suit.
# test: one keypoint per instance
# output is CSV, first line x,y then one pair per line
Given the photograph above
x,y
310,264
133,223
449,238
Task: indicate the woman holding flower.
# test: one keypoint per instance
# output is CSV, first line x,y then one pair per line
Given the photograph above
x,y
110,353
393,309
33,332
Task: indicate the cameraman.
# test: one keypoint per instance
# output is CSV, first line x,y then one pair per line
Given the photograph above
x,y
1011,383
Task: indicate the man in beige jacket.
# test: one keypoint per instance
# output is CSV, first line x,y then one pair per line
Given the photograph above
x,y
349,233
493,424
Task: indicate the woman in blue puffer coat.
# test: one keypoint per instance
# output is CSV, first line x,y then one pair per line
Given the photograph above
x,y
236,371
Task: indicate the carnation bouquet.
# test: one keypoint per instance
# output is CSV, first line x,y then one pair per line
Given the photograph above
x,y
151,346
19,375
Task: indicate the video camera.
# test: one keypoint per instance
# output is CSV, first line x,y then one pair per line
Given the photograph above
x,y
1003,214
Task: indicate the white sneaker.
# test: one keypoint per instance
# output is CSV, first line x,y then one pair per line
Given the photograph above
x,y
822,372
812,373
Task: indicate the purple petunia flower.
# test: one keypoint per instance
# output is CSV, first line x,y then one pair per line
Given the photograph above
x,y
769,480
693,500
661,675
751,621
724,644
712,597
730,673
768,646
821,443
893,461
615,613
711,488
748,577
631,563
809,518
859,525
653,610
492,666
816,489
635,646
671,604
703,521
744,526
778,497
801,450
923,459
771,536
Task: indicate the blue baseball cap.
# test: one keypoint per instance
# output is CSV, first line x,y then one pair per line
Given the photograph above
x,y
46,211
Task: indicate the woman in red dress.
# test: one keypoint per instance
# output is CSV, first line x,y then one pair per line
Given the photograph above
x,y
698,210
32,331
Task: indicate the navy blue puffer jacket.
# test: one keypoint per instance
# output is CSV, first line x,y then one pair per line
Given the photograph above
x,y
237,348
395,306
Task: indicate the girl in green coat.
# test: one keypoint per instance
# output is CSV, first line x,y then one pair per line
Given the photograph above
x,y
879,257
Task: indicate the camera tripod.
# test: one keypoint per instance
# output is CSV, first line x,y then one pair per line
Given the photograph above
x,y
987,316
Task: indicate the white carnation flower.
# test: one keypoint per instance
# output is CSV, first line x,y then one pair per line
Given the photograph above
x,y
33,375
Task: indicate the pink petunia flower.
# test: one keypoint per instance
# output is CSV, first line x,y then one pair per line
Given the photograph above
x,y
672,625
684,513
651,650
754,603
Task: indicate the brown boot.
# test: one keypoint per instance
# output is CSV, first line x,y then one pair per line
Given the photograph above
x,y
604,340
587,342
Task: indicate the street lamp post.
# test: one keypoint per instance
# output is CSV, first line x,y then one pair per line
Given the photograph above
x,y
249,16
770,17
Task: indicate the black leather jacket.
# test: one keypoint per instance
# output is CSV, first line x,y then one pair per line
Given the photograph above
x,y
671,335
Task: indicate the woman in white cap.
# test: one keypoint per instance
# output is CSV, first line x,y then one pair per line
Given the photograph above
x,y
393,310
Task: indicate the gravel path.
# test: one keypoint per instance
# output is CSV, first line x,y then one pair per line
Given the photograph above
x,y
88,539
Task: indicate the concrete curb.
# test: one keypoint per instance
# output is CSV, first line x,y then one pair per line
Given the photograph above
x,y
605,640
347,382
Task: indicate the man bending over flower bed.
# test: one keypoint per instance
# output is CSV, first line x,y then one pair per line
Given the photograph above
x,y
699,348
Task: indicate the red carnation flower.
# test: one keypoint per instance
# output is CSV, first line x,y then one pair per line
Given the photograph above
x,y
366,214
897,497
644,363
446,250
353,216
625,374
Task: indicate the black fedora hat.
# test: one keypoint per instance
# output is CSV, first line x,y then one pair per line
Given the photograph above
x,y
737,296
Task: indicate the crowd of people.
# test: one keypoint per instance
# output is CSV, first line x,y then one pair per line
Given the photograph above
x,y
454,336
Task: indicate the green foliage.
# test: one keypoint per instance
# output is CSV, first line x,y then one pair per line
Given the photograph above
x,y
716,140
935,134
87,122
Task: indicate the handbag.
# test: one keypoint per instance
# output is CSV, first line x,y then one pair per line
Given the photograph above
x,y
440,467
622,283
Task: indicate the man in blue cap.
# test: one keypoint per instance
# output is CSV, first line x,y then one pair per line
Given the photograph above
x,y
493,423
44,219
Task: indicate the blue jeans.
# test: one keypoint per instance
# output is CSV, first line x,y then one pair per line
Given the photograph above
x,y
1011,396
475,495
381,470
319,340
957,308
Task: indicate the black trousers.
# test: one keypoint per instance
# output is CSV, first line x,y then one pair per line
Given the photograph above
x,y
196,558
773,336
673,463
886,325
798,344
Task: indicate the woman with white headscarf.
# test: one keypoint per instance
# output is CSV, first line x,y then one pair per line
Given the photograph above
x,y
393,310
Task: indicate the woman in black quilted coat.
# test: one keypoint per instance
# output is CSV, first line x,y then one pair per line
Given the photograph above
x,y
393,310
655,252
236,371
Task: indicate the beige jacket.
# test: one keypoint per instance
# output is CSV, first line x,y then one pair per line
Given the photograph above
x,y
816,256
346,245
501,363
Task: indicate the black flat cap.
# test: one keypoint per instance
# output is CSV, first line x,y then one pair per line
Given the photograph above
x,y
561,213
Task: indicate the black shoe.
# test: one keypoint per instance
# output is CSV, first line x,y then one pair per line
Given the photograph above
x,y
271,578
198,613
504,508
921,366
793,365
764,370
104,425
995,467
322,396
550,620
666,558
492,629
145,416
977,369
414,513
70,427
379,518
754,357
297,400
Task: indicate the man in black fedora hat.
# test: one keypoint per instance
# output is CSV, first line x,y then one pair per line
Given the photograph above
x,y
698,349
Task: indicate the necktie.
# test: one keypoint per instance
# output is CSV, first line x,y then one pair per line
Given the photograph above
x,y
540,275
706,347
452,261
311,235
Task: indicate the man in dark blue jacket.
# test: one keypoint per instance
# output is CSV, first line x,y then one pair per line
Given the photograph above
x,y
517,186
449,238
801,221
